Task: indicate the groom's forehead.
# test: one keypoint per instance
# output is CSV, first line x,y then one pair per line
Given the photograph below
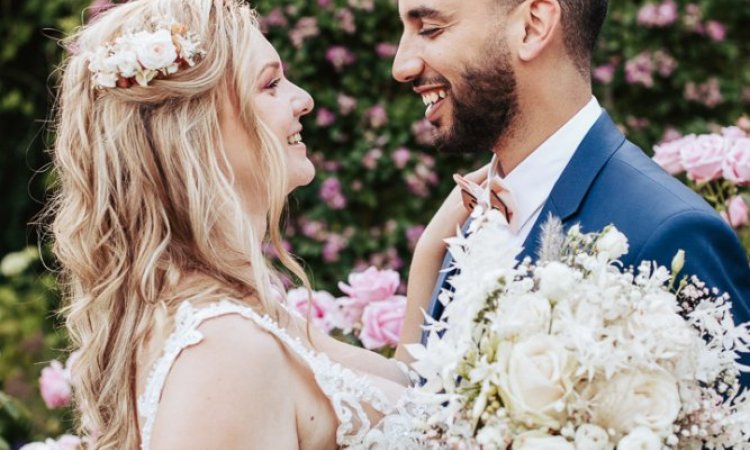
x,y
411,10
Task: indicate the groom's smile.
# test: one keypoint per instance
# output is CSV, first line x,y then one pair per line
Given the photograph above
x,y
434,95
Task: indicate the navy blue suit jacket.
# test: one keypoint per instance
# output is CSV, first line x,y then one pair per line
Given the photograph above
x,y
611,181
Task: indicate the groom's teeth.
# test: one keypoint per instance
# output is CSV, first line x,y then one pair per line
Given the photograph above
x,y
430,98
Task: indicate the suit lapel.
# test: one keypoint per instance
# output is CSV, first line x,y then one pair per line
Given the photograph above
x,y
569,191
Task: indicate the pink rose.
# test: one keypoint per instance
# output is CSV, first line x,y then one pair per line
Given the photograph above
x,y
736,213
703,156
382,322
64,442
372,285
667,155
54,385
736,165
324,311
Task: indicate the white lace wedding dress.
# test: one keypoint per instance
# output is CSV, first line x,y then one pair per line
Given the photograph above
x,y
347,391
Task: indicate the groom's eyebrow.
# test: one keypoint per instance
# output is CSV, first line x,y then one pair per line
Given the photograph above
x,y
424,12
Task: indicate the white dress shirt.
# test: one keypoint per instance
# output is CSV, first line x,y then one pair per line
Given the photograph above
x,y
531,182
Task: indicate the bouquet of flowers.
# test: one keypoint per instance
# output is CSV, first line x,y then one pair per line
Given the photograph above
x,y
574,353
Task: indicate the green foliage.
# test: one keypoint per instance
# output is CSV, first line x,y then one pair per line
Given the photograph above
x,y
30,336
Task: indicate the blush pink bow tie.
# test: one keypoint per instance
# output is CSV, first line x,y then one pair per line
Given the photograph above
x,y
499,197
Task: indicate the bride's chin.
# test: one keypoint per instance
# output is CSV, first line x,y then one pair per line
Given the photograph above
x,y
302,177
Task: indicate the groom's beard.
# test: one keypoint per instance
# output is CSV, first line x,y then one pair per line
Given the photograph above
x,y
485,104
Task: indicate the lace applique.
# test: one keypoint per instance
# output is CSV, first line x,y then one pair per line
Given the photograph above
x,y
347,391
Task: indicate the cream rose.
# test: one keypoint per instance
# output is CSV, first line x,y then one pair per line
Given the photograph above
x,y
155,50
535,379
540,441
640,439
614,243
556,280
522,316
592,437
636,399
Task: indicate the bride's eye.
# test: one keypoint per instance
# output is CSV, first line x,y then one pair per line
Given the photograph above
x,y
273,84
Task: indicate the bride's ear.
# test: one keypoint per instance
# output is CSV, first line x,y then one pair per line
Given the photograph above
x,y
541,25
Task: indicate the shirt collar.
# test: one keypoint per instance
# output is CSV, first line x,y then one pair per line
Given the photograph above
x,y
531,182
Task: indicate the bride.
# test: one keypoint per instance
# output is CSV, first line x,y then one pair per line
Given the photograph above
x,y
178,140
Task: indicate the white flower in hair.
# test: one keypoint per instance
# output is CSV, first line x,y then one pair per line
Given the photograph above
x,y
139,57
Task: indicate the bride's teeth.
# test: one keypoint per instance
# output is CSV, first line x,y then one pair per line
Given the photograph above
x,y
294,139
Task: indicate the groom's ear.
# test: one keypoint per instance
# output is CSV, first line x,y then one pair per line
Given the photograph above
x,y
542,21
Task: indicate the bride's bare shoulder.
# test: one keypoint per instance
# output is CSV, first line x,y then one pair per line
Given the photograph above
x,y
229,391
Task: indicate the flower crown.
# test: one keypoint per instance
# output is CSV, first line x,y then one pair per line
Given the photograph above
x,y
141,56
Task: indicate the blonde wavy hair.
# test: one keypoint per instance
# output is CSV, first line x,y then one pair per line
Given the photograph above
x,y
145,197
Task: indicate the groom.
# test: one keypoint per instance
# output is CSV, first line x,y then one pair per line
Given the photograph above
x,y
513,77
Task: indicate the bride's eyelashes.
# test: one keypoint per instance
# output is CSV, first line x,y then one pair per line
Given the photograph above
x,y
273,84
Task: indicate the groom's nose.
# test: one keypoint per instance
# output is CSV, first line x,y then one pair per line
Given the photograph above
x,y
407,65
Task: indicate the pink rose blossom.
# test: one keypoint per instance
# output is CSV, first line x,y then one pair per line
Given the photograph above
x,y
372,285
324,312
413,234
658,15
340,56
667,155
333,245
331,194
423,132
377,116
305,28
54,385
604,74
640,69
371,158
64,442
703,156
400,157
734,133
736,167
716,31
736,213
345,18
325,117
386,50
346,104
708,93
382,322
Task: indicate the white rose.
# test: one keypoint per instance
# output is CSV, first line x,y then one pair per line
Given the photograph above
x,y
126,62
540,441
640,439
155,50
490,438
522,315
556,280
592,437
636,399
614,243
535,379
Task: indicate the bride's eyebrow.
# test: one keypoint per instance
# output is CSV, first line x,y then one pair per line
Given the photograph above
x,y
275,65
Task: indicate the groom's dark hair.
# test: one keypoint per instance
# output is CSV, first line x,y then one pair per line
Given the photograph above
x,y
582,22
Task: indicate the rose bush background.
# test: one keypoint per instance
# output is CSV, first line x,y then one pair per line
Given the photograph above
x,y
662,69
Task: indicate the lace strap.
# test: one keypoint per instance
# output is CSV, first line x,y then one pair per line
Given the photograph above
x,y
186,334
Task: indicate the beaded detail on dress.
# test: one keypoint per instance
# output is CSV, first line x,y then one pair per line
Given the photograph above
x,y
347,391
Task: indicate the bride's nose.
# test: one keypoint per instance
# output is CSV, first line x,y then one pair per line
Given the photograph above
x,y
302,102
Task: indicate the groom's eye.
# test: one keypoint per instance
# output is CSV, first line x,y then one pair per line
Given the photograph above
x,y
428,31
